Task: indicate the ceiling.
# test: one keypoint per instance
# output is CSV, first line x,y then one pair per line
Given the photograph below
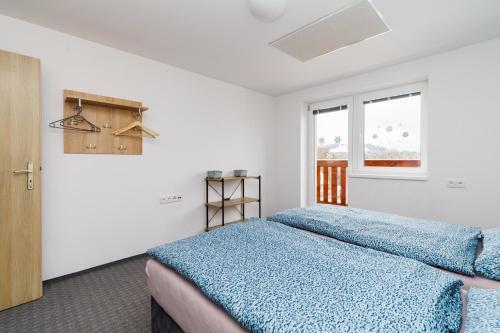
x,y
222,40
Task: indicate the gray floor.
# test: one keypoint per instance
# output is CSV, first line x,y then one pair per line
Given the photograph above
x,y
109,299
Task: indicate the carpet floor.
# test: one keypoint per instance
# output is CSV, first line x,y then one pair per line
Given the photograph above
x,y
113,298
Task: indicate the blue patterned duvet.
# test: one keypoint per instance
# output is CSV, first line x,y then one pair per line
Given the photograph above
x,y
488,262
483,311
273,278
449,246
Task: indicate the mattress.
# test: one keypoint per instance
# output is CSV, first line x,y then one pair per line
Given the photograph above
x,y
475,281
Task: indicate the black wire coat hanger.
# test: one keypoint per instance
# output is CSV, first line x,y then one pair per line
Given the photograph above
x,y
74,120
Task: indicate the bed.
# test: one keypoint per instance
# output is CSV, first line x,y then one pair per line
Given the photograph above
x,y
179,306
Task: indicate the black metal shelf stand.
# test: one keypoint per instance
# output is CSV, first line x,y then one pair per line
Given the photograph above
x,y
224,203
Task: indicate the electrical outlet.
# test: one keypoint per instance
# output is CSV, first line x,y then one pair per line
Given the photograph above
x,y
455,183
165,199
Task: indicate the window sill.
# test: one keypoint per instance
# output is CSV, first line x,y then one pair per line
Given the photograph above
x,y
420,177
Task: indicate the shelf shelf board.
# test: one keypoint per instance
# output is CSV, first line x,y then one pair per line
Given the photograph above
x,y
232,202
226,224
232,178
110,102
247,177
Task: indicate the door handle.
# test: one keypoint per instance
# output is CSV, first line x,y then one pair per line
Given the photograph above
x,y
22,171
29,172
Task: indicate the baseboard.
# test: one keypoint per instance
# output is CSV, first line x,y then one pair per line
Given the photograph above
x,y
64,277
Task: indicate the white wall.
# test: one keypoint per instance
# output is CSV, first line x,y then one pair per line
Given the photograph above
x,y
464,139
97,209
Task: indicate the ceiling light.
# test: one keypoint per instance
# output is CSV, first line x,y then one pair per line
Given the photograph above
x,y
345,27
267,10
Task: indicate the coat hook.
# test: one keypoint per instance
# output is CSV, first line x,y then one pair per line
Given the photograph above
x,y
91,146
139,113
122,147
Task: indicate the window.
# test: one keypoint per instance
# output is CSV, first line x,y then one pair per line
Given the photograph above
x,y
331,149
378,134
332,133
392,131
389,127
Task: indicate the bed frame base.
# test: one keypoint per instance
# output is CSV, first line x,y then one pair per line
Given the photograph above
x,y
161,322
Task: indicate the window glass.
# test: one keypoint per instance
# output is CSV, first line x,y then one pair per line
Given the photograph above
x,y
332,130
392,131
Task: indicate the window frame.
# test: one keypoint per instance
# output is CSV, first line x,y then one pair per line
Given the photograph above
x,y
358,167
333,103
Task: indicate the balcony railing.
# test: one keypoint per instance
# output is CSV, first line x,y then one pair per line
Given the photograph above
x,y
331,182
331,178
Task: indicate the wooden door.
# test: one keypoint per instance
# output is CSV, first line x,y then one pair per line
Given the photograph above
x,y
20,243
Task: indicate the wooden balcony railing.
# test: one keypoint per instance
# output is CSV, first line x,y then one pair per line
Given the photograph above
x,y
331,182
331,178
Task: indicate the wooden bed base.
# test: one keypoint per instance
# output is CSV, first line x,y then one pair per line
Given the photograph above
x,y
161,322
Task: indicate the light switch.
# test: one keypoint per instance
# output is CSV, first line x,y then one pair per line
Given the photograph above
x,y
455,183
165,199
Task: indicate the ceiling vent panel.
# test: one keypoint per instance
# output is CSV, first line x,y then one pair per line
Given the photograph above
x,y
345,27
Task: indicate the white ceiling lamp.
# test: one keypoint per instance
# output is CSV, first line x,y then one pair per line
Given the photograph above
x,y
267,10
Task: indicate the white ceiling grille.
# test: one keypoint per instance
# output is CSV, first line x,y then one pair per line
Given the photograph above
x,y
345,27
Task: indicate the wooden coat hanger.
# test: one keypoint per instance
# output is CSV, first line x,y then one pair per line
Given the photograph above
x,y
137,125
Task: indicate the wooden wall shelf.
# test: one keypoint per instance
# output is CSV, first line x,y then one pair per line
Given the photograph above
x,y
109,102
109,114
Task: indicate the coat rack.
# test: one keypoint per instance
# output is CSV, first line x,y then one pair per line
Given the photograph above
x,y
108,114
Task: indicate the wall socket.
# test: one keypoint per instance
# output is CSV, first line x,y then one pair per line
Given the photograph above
x,y
165,199
455,183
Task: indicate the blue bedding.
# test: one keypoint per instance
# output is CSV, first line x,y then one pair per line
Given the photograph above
x,y
439,244
488,262
483,311
273,278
